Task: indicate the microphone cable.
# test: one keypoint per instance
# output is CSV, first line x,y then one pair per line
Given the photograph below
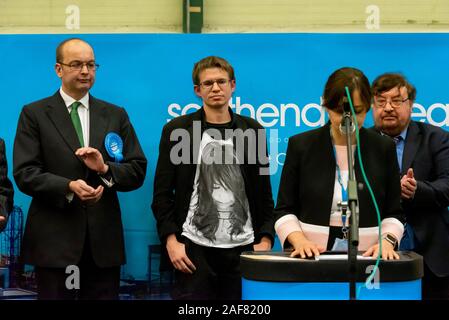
x,y
373,198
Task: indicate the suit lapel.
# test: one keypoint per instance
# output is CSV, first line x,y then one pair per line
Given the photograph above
x,y
195,129
324,155
412,143
60,117
97,124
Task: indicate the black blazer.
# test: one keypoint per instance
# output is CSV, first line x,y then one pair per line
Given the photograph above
x,y
426,150
6,189
45,163
308,177
173,184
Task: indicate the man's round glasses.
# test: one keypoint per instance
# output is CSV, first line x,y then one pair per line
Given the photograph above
x,y
78,65
208,84
394,102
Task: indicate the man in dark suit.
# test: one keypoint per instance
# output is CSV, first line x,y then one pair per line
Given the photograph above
x,y
6,189
423,156
65,162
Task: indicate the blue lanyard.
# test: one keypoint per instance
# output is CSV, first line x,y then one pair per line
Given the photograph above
x,y
344,191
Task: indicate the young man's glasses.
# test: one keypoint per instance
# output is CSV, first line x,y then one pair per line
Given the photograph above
x,y
208,84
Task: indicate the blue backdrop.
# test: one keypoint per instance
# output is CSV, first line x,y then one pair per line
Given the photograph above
x,y
280,79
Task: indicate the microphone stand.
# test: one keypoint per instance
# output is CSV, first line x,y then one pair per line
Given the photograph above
x,y
353,206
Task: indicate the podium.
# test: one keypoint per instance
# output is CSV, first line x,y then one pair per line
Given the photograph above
x,y
275,276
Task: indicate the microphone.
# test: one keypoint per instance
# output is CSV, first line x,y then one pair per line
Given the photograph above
x,y
346,114
346,106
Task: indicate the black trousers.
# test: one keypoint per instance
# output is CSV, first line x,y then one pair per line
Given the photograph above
x,y
433,287
217,275
95,283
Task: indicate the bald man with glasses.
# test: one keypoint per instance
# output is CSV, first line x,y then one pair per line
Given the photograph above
x,y
72,154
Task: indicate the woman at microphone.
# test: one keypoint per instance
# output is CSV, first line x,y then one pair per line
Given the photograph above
x,y
310,212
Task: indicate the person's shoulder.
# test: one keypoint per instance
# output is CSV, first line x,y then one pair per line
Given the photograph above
x,y
113,110
182,121
434,137
105,104
373,133
250,122
308,135
38,104
373,137
429,128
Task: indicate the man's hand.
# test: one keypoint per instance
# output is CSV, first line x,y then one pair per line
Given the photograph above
x,y
178,257
93,159
2,219
86,192
408,185
263,245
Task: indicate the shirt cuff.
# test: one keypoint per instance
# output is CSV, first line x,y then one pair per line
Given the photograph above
x,y
394,227
286,225
69,196
107,180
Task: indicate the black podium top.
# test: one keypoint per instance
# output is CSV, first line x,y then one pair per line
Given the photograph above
x,y
281,268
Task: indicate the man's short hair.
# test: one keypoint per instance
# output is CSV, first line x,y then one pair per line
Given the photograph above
x,y
388,81
59,55
211,62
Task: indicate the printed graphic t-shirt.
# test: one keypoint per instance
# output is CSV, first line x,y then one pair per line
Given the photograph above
x,y
218,214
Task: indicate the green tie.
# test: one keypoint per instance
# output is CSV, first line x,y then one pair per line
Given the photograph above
x,y
77,122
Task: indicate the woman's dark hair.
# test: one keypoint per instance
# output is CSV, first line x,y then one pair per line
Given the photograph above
x,y
216,173
334,91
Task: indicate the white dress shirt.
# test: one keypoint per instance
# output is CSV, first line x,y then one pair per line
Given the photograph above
x,y
83,112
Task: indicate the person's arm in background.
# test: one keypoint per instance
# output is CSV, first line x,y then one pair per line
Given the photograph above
x,y
6,188
163,206
432,194
264,240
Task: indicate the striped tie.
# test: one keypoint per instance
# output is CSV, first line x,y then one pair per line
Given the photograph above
x,y
397,139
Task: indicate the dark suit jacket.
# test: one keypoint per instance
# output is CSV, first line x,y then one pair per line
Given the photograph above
x,y
6,189
45,163
426,150
308,177
173,184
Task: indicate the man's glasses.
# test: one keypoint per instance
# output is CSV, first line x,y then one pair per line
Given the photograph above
x,y
395,102
78,65
208,84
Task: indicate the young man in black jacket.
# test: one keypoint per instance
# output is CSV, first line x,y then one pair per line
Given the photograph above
x,y
212,193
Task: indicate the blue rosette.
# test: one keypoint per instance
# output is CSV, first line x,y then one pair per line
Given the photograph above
x,y
114,146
